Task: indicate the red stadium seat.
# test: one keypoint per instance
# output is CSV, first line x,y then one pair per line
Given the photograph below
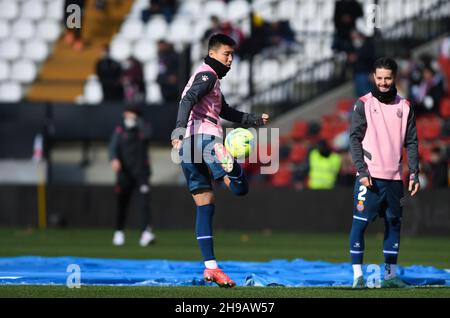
x,y
298,153
444,107
299,130
283,178
344,105
432,130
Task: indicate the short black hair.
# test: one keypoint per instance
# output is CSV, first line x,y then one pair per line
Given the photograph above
x,y
386,63
136,109
220,39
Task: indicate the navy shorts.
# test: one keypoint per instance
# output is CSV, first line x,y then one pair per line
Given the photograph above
x,y
199,163
383,199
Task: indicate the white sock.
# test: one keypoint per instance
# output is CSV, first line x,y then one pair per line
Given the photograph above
x,y
357,270
212,264
390,271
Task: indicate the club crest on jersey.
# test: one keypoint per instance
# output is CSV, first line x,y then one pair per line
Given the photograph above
x,y
399,113
205,78
360,206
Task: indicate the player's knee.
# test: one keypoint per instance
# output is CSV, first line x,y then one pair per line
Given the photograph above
x,y
359,225
395,223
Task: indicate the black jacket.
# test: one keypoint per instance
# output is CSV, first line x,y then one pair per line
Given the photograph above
x,y
130,147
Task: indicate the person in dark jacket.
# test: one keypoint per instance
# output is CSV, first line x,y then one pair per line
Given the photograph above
x,y
129,160
109,73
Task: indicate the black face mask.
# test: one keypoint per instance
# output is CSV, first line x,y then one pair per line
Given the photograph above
x,y
385,97
220,69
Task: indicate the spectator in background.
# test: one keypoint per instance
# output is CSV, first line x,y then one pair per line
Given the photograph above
x,y
168,77
346,12
216,27
109,73
361,58
279,37
324,166
226,28
133,81
128,154
164,7
73,35
426,95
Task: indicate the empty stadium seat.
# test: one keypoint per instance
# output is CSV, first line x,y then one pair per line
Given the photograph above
x,y
151,71
10,49
444,107
33,9
23,71
299,130
180,31
4,70
23,29
48,30
55,10
154,95
190,8
283,178
10,92
238,9
144,51
4,29
298,153
9,10
215,7
35,50
156,28
132,30
344,105
120,49
93,93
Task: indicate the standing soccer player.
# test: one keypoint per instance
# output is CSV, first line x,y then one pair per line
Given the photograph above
x,y
382,123
129,160
203,155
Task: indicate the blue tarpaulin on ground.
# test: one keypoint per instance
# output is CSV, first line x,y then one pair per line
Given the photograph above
x,y
36,270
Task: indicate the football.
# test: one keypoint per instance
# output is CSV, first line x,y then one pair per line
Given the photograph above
x,y
239,142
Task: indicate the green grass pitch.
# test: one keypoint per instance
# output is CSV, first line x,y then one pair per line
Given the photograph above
x,y
243,246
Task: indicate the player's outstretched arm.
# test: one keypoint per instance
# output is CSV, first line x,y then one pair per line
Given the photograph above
x,y
237,116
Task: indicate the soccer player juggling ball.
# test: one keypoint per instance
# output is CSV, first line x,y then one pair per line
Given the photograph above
x,y
203,155
382,124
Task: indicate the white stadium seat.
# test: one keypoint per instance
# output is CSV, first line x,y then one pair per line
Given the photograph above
x,y
10,92
35,50
10,49
132,30
190,9
144,50
49,30
23,71
4,70
33,9
4,29
93,93
9,10
156,29
120,49
180,31
238,9
154,95
215,7
23,29
151,71
55,10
